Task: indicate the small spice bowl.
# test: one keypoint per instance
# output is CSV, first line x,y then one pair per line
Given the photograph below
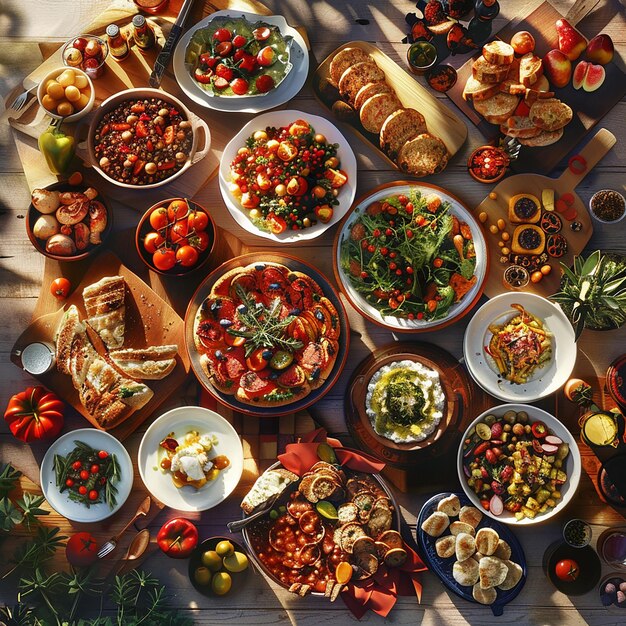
x,y
488,164
577,533
607,206
88,53
66,93
174,224
612,590
421,56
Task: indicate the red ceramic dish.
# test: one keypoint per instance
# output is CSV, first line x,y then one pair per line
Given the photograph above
x,y
488,164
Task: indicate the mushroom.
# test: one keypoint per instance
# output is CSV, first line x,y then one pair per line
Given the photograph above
x,y
45,201
81,235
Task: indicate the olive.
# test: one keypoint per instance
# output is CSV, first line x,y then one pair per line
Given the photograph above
x,y
319,138
489,419
522,417
527,429
509,417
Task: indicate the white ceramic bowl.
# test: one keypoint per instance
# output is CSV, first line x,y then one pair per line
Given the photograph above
x,y
572,466
54,74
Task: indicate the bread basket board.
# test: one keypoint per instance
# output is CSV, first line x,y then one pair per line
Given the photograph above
x,y
149,320
588,108
534,184
441,121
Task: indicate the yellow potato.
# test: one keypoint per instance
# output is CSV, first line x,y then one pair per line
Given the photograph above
x,y
65,108
80,81
72,93
67,78
49,103
54,90
82,102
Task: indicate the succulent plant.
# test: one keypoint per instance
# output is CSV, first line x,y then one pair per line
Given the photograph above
x,y
593,292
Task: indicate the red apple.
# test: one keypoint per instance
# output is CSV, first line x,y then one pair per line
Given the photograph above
x,y
571,42
600,49
557,67
523,42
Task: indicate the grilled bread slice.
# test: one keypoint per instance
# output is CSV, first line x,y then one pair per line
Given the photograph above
x,y
477,90
422,155
70,327
357,76
153,363
539,91
498,52
530,69
498,108
519,126
398,128
369,90
550,114
106,309
377,109
487,72
343,60
544,138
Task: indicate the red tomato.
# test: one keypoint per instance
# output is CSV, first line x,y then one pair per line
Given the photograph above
x,y
60,288
35,414
337,178
200,241
81,549
222,34
266,56
324,213
187,256
262,33
255,386
152,242
224,49
239,86
275,223
287,151
256,362
299,127
198,220
178,538
248,62
567,570
539,429
225,72
179,232
164,259
158,218
177,210
250,200
239,41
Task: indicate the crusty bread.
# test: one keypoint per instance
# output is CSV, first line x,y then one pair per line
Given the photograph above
x,y
451,505
153,363
343,60
106,310
465,572
445,546
70,326
369,90
470,515
498,108
492,572
519,126
268,484
550,114
530,69
498,52
442,28
377,109
422,155
398,128
357,76
487,72
477,90
544,138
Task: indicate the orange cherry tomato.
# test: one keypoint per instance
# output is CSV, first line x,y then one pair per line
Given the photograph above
x,y
287,151
337,178
276,223
158,218
232,340
299,127
60,288
164,259
177,210
250,200
152,242
187,256
178,233
324,213
198,220
256,362
200,241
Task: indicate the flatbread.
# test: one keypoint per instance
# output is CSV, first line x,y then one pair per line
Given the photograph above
x,y
451,506
465,572
435,524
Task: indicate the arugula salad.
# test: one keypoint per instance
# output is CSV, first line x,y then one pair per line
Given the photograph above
x,y
409,256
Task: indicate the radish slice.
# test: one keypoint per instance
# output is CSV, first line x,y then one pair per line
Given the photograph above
x,y
553,440
549,448
496,506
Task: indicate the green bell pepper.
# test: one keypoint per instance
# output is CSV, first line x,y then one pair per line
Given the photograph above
x,y
57,148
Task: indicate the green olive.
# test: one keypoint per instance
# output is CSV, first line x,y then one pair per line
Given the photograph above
x,y
490,420
509,417
202,576
522,417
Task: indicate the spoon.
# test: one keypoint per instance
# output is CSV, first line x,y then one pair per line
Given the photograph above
x,y
136,550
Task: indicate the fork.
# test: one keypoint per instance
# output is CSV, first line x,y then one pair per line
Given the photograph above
x,y
111,544
18,103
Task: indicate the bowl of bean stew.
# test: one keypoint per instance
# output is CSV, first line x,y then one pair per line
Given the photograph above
x,y
144,138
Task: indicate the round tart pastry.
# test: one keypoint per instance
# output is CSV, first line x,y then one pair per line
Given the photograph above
x,y
405,401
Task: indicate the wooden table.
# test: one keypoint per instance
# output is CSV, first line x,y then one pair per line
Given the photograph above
x,y
328,24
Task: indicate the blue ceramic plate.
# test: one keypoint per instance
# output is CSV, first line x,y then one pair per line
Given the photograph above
x,y
443,567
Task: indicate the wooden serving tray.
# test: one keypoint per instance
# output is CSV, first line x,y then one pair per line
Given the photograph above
x,y
589,108
441,121
533,184
149,321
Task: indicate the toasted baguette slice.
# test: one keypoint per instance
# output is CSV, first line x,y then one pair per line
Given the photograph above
x,y
487,72
424,154
498,108
550,114
377,109
530,69
70,327
106,309
153,363
343,60
477,90
539,91
398,128
369,90
518,126
544,138
357,76
442,28
498,52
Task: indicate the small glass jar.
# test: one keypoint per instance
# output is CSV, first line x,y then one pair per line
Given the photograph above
x,y
577,533
515,277
612,547
118,46
421,56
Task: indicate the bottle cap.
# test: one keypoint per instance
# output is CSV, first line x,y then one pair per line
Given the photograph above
x,y
113,30
139,21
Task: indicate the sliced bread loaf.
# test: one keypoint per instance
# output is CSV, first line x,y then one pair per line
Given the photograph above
x,y
487,72
498,108
422,155
398,128
377,109
498,52
369,90
550,114
357,76
343,60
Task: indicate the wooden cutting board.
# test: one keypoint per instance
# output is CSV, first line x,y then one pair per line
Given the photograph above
x,y
533,184
589,108
441,121
149,321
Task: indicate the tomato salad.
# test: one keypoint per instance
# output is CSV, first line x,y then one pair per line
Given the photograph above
x,y
288,178
408,256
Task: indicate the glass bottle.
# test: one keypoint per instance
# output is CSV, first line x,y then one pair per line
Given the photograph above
x,y
487,9
143,33
118,46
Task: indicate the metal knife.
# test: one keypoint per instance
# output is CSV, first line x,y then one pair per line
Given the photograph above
x,y
164,56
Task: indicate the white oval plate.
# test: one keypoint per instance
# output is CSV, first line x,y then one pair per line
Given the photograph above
x,y
572,467
288,88
551,377
405,324
180,421
60,502
283,118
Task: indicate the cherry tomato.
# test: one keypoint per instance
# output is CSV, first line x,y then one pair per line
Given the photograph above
x,y
76,465
262,33
95,468
84,474
225,72
539,429
187,256
103,454
198,220
239,86
81,549
250,201
222,34
276,223
152,242
224,48
177,210
158,218
324,213
337,178
200,241
299,127
567,570
239,41
266,56
164,259
287,151
179,232
82,490
60,288
69,482
93,494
